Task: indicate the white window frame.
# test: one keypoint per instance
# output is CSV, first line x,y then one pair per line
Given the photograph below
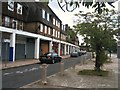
x,y
43,13
56,23
7,21
53,32
49,30
45,29
21,25
48,16
41,27
53,21
56,33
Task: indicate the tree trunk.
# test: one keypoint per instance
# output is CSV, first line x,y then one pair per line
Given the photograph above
x,y
97,62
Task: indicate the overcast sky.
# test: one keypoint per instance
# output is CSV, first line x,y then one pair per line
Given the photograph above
x,y
68,17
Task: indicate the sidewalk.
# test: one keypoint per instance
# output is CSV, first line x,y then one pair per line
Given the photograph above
x,y
72,80
22,63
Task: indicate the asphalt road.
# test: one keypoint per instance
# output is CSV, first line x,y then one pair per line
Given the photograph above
x,y
20,76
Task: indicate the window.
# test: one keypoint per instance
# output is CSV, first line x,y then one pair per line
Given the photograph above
x,y
11,5
41,27
49,31
45,29
56,23
7,21
20,25
53,32
48,17
56,33
53,21
19,8
14,24
43,13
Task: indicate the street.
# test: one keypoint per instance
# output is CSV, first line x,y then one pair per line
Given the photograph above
x,y
20,76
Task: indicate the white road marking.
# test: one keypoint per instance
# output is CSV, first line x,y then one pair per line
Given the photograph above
x,y
32,69
19,72
8,73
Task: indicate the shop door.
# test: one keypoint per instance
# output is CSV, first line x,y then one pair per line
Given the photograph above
x,y
20,51
44,47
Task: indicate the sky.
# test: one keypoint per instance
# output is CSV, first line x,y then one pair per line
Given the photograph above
x,y
68,17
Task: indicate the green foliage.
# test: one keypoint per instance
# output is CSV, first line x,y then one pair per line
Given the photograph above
x,y
98,32
98,5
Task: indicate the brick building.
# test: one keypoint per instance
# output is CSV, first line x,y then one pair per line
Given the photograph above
x,y
30,29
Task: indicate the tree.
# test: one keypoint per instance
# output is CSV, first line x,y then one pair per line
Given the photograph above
x,y
71,5
71,35
98,31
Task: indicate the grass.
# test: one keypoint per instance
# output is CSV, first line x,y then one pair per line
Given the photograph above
x,y
93,73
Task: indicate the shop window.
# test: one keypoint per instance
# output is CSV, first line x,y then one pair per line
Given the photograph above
x,y
7,21
11,5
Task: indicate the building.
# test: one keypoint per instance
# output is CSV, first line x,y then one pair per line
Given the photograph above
x,y
30,29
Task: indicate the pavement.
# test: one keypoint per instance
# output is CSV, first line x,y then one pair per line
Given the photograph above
x,y
71,79
4,65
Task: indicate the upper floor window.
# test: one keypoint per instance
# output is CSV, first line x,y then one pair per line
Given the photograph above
x,y
41,27
45,29
20,24
48,16
53,21
19,8
7,21
58,24
11,5
56,34
49,30
14,24
43,13
53,32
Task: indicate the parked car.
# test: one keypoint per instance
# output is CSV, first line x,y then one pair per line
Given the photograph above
x,y
82,52
74,54
50,58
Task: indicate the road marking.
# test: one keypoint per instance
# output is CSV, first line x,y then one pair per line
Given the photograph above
x,y
32,69
8,73
19,72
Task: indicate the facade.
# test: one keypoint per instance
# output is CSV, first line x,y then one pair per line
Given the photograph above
x,y
30,29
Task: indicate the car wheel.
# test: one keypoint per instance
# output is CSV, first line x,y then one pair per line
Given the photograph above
x,y
53,61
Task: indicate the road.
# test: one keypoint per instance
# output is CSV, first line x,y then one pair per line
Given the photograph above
x,y
20,76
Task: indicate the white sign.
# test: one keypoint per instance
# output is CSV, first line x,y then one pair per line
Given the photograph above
x,y
11,5
19,8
